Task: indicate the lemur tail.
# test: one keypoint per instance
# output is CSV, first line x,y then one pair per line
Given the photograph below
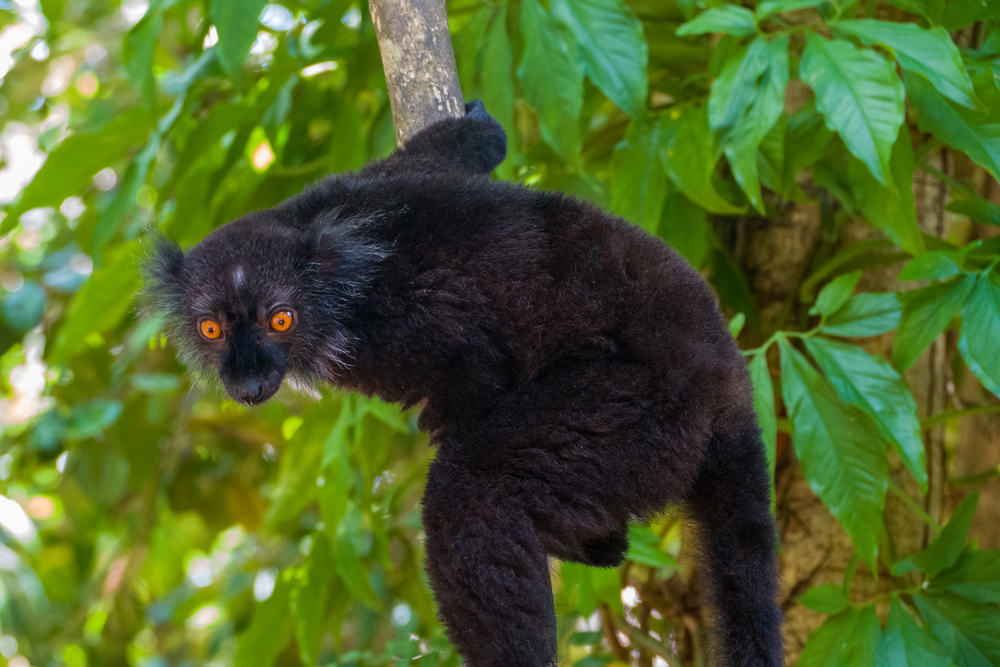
x,y
731,503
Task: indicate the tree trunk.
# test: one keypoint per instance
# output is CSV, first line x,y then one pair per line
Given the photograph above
x,y
419,63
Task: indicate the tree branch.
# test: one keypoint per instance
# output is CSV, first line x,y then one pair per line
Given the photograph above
x,y
419,63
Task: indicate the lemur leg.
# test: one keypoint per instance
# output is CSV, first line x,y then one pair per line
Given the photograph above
x,y
488,569
557,468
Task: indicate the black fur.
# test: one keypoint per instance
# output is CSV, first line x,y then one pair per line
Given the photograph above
x,y
575,374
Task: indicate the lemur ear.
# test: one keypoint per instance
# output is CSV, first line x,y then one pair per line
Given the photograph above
x,y
163,277
165,264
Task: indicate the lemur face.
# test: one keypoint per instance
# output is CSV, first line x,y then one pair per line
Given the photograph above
x,y
235,303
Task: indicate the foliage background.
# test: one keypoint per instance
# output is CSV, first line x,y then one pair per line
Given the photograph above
x,y
829,166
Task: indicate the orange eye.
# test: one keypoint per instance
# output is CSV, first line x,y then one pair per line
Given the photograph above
x,y
282,320
210,329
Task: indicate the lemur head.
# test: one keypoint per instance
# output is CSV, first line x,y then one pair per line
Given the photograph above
x,y
256,300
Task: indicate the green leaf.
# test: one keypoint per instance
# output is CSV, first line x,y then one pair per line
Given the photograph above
x,y
768,102
975,208
840,449
638,175
102,303
975,133
613,48
299,468
738,84
592,586
497,65
690,156
835,294
925,316
237,24
945,548
794,143
552,80
70,167
772,7
88,419
730,282
684,225
936,265
891,208
826,599
976,575
736,324
308,598
959,14
969,632
137,55
980,332
23,309
904,644
848,638
730,19
933,10
268,632
930,53
763,403
866,314
859,95
644,547
870,383
350,569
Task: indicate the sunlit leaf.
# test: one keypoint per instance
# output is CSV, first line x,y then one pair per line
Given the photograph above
x,y
925,316
644,547
826,599
772,7
268,632
835,294
613,48
69,169
237,24
848,638
690,156
866,314
873,385
101,304
552,80
892,208
969,632
904,644
980,332
930,53
137,52
946,547
937,265
497,68
976,133
308,598
753,122
840,449
860,97
730,19
638,175
684,225
976,575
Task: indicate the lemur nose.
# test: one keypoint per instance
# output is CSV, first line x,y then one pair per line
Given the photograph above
x,y
251,392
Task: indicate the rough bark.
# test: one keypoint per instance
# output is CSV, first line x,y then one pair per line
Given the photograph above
x,y
419,63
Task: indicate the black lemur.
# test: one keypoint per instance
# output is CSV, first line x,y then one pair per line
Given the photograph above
x,y
575,374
